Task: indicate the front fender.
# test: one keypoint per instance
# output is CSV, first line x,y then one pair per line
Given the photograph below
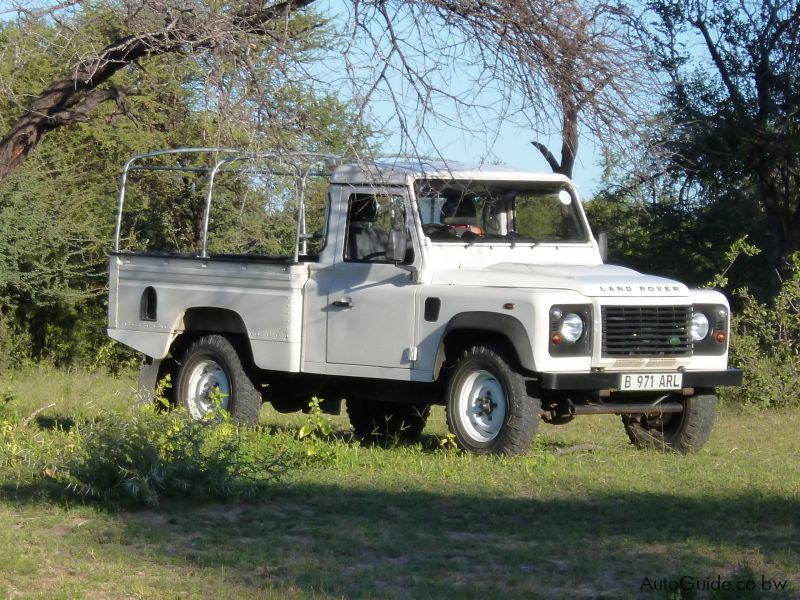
x,y
505,326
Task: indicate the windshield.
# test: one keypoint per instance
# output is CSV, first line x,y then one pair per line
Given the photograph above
x,y
487,212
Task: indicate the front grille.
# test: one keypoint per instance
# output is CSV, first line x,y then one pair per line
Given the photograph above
x,y
646,330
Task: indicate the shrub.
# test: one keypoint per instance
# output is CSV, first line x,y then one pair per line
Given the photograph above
x,y
140,456
14,344
143,457
766,345
29,457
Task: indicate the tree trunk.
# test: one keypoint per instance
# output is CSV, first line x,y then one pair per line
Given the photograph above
x,y
782,215
569,142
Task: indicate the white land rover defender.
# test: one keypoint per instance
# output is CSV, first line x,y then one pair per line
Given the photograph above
x,y
479,288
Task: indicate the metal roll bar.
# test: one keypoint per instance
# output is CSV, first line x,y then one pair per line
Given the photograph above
x,y
313,160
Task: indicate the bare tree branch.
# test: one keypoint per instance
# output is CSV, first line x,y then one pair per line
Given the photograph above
x,y
556,66
74,98
552,66
548,156
719,63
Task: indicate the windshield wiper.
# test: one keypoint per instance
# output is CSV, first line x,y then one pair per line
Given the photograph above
x,y
515,238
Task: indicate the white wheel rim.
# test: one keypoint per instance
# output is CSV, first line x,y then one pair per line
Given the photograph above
x,y
205,377
481,406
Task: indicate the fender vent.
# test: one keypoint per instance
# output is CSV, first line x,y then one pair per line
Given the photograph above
x,y
148,309
432,307
646,331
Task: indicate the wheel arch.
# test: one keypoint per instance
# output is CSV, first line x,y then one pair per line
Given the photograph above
x,y
481,327
202,320
210,319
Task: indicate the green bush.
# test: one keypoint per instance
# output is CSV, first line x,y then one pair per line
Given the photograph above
x,y
30,458
139,457
144,456
765,344
14,345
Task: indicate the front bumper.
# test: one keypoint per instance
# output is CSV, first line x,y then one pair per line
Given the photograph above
x,y
610,380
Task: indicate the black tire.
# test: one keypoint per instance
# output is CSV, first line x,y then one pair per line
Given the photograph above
x,y
212,362
156,384
683,432
488,407
387,422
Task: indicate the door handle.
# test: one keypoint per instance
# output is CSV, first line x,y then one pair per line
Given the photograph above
x,y
343,303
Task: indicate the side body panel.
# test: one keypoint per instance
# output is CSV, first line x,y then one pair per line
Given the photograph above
x,y
260,300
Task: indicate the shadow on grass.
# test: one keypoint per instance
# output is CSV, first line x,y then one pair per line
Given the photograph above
x,y
365,543
386,538
52,422
427,442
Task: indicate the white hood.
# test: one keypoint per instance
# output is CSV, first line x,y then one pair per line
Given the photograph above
x,y
596,280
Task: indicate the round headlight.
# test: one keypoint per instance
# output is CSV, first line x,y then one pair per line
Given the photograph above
x,y
571,328
699,327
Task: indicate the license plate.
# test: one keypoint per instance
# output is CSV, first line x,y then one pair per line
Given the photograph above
x,y
651,381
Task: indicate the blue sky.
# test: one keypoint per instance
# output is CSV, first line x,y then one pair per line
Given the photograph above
x,y
478,136
509,145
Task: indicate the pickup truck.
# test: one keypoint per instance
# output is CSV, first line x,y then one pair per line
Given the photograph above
x,y
426,282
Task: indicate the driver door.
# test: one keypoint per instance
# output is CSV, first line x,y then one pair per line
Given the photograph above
x,y
371,302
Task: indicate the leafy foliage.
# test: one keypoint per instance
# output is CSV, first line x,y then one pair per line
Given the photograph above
x,y
317,425
730,121
140,457
766,345
57,209
653,228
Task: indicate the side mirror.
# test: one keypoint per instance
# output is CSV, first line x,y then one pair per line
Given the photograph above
x,y
396,246
602,243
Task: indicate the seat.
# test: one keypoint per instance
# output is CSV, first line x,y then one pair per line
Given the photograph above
x,y
364,240
459,214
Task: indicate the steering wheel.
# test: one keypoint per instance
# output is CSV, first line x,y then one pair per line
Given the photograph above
x,y
373,256
431,229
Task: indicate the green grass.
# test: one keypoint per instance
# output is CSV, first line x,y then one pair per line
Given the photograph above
x,y
417,522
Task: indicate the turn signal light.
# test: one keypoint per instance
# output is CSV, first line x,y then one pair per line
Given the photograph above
x,y
720,337
556,339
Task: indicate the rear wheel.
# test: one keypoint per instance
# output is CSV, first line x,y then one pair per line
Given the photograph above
x,y
682,432
211,371
156,381
488,407
384,422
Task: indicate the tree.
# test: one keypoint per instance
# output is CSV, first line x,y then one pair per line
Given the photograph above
x,y
83,84
556,65
56,208
734,99
653,227
139,30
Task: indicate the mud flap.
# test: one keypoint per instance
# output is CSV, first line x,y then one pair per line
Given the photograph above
x,y
148,376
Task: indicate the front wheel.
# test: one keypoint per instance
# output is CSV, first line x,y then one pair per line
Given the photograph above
x,y
212,372
682,432
488,407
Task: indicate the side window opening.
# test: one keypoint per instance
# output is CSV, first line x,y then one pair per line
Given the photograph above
x,y
370,219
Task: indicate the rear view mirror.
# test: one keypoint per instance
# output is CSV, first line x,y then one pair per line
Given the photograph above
x,y
397,214
396,246
602,244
